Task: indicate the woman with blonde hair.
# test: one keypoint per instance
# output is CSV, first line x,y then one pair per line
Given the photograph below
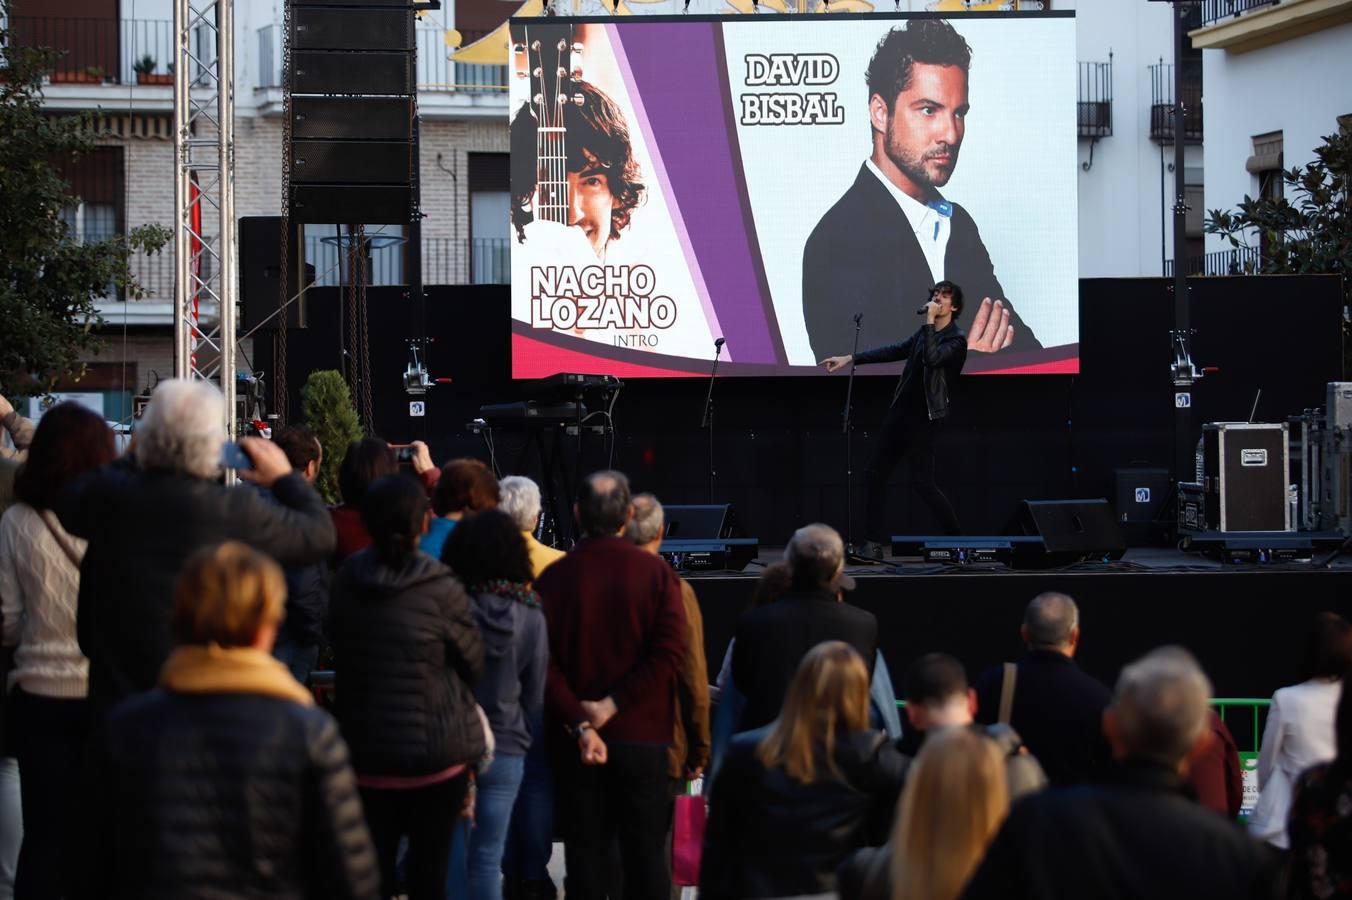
x,y
227,780
795,797
955,799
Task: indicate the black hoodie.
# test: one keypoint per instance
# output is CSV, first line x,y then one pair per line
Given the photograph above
x,y
407,657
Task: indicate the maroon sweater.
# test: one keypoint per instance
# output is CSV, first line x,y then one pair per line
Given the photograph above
x,y
616,628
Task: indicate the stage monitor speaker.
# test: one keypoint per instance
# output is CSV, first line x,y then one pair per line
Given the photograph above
x,y
1073,530
352,162
368,204
330,72
690,523
260,273
387,28
351,118
1139,494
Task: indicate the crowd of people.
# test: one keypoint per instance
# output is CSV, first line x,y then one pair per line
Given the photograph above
x,y
491,695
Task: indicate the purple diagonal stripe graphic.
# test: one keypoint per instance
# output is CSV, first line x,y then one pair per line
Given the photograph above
x,y
677,72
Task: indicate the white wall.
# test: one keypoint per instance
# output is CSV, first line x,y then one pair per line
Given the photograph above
x,y
1298,87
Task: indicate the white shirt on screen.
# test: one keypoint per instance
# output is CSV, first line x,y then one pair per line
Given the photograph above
x,y
931,227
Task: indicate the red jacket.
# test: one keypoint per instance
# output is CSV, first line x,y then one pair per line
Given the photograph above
x,y
616,628
352,534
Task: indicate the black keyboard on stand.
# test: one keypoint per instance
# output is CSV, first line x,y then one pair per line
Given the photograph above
x,y
557,406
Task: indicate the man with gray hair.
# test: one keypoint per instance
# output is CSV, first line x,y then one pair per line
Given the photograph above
x,y
145,516
1053,704
690,745
519,497
617,637
1141,834
772,640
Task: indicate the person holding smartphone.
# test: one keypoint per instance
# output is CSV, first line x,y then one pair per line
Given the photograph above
x,y
143,519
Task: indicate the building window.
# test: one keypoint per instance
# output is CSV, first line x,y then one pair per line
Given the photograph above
x,y
96,211
489,218
1266,166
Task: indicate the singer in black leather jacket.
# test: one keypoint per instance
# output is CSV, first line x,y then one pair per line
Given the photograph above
x,y
934,356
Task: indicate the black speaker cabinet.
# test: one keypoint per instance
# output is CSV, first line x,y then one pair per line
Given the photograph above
x,y
1074,530
351,118
352,162
689,523
368,204
389,28
1245,468
330,72
260,273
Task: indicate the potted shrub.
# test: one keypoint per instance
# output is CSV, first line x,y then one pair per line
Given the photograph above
x,y
145,72
87,75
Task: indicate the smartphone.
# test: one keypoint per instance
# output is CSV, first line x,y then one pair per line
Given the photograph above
x,y
234,457
402,452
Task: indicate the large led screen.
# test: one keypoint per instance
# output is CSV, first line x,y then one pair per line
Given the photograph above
x,y
766,180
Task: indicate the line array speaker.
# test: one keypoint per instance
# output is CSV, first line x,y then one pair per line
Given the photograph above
x,y
351,29
337,72
352,85
352,118
368,204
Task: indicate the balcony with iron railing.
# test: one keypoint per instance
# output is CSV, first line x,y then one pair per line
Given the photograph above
x,y
1094,106
1162,86
1237,261
444,261
1214,11
100,51
1238,26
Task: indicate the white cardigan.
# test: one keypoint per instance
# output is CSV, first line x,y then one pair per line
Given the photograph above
x,y
1299,734
39,587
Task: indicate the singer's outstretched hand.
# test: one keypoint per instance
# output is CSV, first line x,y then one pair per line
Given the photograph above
x,y
991,330
834,363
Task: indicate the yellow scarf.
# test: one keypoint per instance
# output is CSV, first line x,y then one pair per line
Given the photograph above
x,y
212,669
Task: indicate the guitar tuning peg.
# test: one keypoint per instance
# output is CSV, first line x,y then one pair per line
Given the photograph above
x,y
535,45
561,72
539,72
563,45
537,99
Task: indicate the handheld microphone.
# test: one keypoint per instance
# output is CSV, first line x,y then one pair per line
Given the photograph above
x,y
857,317
718,344
924,306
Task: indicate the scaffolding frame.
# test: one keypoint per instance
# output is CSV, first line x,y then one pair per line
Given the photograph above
x,y
205,266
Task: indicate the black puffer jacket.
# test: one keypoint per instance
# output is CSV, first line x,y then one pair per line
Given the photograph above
x,y
225,795
771,836
141,527
407,656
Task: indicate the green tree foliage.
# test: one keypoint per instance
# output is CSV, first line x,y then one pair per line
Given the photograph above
x,y
328,411
49,283
1313,234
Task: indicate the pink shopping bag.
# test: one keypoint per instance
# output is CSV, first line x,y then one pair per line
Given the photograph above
x,y
687,838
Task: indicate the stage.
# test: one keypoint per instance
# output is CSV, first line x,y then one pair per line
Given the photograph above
x,y
1246,623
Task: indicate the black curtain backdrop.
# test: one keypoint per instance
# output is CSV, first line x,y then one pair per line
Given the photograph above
x,y
779,448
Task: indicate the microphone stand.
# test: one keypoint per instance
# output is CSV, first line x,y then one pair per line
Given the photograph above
x,y
708,420
847,428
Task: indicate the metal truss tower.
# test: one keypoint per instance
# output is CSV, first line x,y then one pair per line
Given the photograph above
x,y
205,268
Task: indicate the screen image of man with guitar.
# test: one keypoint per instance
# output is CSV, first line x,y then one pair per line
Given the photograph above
x,y
573,163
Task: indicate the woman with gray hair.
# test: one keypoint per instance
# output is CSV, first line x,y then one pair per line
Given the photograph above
x,y
519,497
144,515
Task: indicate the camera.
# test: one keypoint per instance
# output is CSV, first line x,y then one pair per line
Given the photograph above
x,y
402,452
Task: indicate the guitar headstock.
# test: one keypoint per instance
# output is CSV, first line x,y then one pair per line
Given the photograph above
x,y
550,58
